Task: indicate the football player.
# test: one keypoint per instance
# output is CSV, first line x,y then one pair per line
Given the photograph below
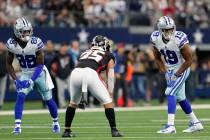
x,y
85,77
28,50
174,47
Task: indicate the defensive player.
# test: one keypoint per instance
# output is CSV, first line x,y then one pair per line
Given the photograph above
x,y
86,77
28,50
175,48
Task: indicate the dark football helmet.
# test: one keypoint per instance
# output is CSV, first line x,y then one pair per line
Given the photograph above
x,y
101,42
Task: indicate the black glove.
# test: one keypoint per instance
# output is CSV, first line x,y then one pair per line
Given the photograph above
x,y
82,103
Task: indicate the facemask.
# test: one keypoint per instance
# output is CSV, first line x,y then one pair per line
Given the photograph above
x,y
167,34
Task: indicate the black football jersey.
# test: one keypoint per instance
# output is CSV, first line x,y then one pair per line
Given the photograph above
x,y
95,59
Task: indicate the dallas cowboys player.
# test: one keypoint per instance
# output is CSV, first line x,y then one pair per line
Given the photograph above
x,y
174,46
28,50
86,77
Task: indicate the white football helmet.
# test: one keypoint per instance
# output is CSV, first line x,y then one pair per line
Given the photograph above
x,y
101,42
166,27
23,29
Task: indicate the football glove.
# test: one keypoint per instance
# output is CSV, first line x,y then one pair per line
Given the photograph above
x,y
27,83
172,80
168,76
82,103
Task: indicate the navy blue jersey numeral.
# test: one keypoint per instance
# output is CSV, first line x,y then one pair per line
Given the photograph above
x,y
179,35
169,56
29,61
156,33
33,40
11,41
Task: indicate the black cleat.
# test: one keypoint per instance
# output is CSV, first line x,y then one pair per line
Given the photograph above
x,y
68,134
116,133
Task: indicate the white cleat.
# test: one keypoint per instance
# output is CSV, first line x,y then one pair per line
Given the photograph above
x,y
16,130
56,128
193,127
168,129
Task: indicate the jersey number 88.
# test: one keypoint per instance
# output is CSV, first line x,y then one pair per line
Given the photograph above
x,y
29,61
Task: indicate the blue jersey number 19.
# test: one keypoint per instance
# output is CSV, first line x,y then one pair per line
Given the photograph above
x,y
169,56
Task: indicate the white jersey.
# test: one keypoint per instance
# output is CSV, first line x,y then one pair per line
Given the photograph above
x,y
171,50
27,55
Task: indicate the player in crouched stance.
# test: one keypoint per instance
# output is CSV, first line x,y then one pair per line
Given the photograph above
x,y
174,46
86,77
28,50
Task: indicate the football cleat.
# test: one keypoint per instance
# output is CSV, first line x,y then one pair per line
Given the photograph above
x,y
56,128
193,127
168,129
68,134
17,130
116,133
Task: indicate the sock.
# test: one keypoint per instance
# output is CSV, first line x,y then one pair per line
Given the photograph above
x,y
52,109
185,105
171,119
192,117
19,106
17,123
70,112
171,109
110,115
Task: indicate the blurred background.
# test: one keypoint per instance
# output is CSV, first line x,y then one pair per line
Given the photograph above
x,y
67,27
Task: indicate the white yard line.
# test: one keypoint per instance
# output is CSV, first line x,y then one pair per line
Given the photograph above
x,y
144,108
93,138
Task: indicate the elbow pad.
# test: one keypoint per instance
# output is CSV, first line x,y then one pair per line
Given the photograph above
x,y
110,80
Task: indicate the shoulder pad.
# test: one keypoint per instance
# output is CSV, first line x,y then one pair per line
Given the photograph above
x,y
181,38
38,42
154,37
10,43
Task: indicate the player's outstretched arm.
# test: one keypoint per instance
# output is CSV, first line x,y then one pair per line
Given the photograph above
x,y
110,76
187,55
10,69
159,60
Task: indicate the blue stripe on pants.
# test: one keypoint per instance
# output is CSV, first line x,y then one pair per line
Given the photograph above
x,y
176,86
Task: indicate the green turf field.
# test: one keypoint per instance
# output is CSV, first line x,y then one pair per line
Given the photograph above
x,y
135,125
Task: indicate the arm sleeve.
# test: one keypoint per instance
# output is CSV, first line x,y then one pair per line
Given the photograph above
x,y
110,80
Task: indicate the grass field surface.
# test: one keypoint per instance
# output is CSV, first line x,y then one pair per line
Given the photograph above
x,y
136,124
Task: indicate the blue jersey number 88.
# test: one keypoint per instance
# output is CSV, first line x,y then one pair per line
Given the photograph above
x,y
29,61
169,56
